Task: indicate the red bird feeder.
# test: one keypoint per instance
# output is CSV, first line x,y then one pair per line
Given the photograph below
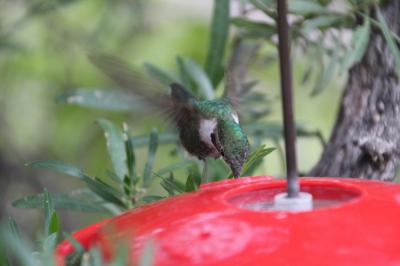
x,y
232,222
252,221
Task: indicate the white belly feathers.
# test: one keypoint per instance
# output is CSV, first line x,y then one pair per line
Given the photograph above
x,y
207,127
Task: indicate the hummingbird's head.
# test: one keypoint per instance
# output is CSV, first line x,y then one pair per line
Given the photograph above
x,y
234,144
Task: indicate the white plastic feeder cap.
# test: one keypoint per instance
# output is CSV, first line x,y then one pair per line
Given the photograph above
x,y
303,202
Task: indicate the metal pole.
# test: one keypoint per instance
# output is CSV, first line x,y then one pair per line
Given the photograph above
x,y
287,103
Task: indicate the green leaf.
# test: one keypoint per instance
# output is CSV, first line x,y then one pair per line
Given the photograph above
x,y
200,78
14,227
264,5
116,147
147,256
195,173
389,39
184,75
130,156
48,212
159,74
152,198
75,257
101,189
254,29
323,22
171,185
122,255
77,200
173,167
254,160
144,140
218,38
104,191
59,167
359,44
150,158
325,77
94,259
20,248
307,7
54,225
190,184
111,100
50,243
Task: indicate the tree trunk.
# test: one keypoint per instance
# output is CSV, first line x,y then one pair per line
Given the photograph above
x,y
365,141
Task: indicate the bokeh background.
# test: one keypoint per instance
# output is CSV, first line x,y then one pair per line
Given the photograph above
x,y
43,47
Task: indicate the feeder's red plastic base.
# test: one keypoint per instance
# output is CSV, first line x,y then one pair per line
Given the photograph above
x,y
232,222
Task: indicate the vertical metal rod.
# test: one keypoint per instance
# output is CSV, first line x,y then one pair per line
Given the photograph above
x,y
287,103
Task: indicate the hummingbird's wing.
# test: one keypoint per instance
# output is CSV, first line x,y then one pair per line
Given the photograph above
x,y
152,95
236,71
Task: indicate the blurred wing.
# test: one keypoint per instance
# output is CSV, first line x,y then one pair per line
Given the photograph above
x,y
151,94
236,71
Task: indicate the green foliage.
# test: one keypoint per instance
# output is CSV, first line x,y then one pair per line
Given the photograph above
x,y
153,144
394,49
124,186
83,200
219,34
159,74
116,148
199,77
254,160
105,99
359,44
318,29
20,249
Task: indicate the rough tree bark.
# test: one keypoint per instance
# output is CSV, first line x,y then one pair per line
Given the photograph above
x,y
365,140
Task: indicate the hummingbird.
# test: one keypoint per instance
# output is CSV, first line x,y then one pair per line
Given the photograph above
x,y
207,128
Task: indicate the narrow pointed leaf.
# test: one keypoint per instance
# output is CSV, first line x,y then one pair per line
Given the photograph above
x,y
111,100
389,39
190,184
54,225
324,22
200,78
307,7
75,257
104,191
76,200
218,38
14,228
173,167
50,243
144,140
150,158
94,259
116,147
147,257
254,159
325,77
254,29
151,198
159,74
184,75
130,155
48,211
171,185
58,166
359,44
18,247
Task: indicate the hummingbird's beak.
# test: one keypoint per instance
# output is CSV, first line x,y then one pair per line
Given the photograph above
x,y
235,171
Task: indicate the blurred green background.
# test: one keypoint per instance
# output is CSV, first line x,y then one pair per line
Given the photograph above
x,y
43,47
